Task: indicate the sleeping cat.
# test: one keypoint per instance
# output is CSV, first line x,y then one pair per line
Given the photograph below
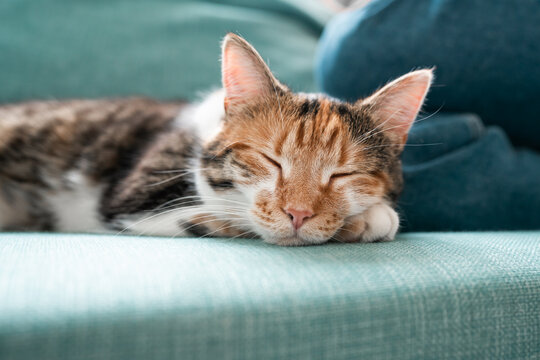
x,y
252,159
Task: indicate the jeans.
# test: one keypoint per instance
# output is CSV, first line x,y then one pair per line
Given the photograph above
x,y
462,171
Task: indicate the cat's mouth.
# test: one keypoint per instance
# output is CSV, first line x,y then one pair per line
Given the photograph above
x,y
295,240
292,237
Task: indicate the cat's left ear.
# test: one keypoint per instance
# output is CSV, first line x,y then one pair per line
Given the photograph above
x,y
395,107
245,76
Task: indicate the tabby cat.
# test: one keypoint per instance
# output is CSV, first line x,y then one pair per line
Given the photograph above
x,y
251,160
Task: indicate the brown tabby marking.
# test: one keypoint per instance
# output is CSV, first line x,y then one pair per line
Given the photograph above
x,y
41,141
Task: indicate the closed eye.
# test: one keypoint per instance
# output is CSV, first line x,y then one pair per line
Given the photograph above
x,y
272,161
342,175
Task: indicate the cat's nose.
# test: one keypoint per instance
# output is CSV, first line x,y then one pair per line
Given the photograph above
x,y
298,217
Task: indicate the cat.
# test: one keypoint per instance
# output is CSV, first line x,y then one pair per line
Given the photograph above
x,y
252,159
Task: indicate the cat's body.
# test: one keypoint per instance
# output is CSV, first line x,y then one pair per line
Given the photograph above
x,y
292,168
61,160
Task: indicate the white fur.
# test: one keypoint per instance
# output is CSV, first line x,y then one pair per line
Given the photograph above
x,y
165,223
382,223
205,117
75,204
223,206
228,202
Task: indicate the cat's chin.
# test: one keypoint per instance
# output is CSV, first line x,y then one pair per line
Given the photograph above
x,y
294,241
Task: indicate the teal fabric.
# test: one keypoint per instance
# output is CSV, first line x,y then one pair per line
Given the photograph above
x,y
425,296
167,49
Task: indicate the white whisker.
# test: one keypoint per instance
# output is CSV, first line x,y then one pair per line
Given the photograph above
x,y
170,179
387,145
239,235
367,135
176,171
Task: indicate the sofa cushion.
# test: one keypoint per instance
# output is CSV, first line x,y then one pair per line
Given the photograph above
x,y
425,296
167,49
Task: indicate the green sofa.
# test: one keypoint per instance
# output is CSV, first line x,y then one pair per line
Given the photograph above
x,y
424,296
75,296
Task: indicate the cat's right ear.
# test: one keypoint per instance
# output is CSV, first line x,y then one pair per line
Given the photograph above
x,y
395,107
246,78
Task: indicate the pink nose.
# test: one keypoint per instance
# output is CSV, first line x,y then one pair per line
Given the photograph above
x,y
298,217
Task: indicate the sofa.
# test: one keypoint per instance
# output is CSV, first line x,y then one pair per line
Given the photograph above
x,y
427,295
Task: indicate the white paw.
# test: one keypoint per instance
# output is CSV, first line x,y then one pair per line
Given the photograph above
x,y
382,223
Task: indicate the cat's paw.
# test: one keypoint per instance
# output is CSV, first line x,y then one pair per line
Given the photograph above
x,y
378,223
382,223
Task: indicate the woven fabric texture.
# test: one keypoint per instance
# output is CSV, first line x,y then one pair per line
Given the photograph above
x,y
424,296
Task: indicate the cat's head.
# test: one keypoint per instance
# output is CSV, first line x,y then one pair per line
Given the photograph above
x,y
302,164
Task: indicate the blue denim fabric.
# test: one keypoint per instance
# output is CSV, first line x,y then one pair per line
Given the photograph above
x,y
459,174
486,53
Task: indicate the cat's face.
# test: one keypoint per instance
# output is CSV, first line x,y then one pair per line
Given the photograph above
x,y
303,164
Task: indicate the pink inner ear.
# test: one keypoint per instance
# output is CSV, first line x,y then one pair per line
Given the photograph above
x,y
397,104
243,76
